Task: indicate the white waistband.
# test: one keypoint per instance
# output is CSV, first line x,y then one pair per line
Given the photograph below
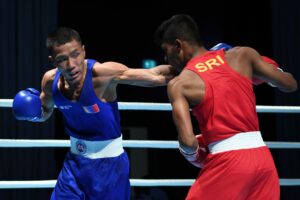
x,y
246,140
97,149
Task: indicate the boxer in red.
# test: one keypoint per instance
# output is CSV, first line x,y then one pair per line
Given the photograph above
x,y
217,86
255,80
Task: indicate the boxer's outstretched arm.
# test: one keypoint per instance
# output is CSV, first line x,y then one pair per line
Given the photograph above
x,y
121,74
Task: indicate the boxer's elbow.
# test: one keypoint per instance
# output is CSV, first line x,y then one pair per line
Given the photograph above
x,y
294,86
290,84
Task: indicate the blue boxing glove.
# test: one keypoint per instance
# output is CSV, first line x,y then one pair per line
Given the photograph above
x,y
221,46
27,105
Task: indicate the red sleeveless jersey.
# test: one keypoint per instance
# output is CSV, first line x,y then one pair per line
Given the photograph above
x,y
229,104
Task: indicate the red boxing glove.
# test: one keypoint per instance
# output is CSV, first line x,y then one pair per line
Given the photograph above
x,y
270,61
196,158
256,81
274,64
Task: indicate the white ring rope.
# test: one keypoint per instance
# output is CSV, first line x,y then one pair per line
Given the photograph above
x,y
167,107
133,183
9,143
159,144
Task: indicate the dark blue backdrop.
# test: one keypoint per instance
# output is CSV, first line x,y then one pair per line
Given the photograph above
x,y
111,32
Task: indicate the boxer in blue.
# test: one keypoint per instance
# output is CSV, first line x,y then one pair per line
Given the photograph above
x,y
84,90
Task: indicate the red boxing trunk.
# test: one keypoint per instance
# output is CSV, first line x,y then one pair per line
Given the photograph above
x,y
240,174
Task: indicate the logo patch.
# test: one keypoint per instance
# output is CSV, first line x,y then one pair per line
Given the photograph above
x,y
91,109
81,147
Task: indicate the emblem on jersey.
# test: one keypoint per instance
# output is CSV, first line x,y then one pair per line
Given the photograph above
x,y
91,109
81,147
209,64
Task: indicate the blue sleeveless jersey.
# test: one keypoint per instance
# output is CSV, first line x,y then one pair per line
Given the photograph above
x,y
88,118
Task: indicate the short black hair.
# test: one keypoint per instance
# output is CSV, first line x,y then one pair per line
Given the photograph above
x,y
180,26
61,36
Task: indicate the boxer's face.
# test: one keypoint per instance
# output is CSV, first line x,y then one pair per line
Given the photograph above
x,y
173,55
69,59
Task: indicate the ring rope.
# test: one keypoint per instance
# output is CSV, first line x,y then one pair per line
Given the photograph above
x,y
159,144
133,183
168,107
138,144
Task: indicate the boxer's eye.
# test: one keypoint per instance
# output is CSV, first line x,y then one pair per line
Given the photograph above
x,y
61,59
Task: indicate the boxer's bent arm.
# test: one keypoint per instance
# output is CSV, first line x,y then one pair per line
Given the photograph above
x,y
283,80
46,94
181,116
